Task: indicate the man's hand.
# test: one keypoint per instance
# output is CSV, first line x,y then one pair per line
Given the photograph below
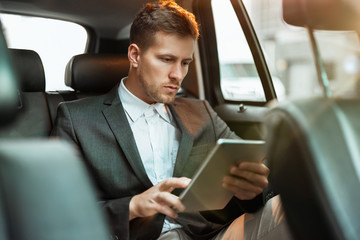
x,y
158,199
247,180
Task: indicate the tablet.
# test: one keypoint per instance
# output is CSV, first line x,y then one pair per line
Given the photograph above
x,y
205,191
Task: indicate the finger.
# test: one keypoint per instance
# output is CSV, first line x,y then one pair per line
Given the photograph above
x,y
240,194
171,183
254,178
238,184
166,210
170,200
254,167
260,179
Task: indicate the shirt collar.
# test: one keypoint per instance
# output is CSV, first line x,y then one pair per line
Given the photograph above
x,y
135,107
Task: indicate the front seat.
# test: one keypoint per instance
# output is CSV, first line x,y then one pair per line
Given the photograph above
x,y
8,107
314,157
45,192
8,86
314,146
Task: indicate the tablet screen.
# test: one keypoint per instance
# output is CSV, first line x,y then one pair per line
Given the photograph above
x,y
205,191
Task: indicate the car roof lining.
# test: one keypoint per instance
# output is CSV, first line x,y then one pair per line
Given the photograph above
x,y
107,19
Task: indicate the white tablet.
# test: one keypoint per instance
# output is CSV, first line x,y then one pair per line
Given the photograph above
x,y
205,191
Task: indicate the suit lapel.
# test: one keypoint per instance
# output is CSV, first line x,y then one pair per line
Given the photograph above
x,y
186,140
119,125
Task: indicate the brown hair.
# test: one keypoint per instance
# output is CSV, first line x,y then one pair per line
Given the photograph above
x,y
166,16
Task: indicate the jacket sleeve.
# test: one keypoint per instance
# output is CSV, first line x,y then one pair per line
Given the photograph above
x,y
117,211
63,127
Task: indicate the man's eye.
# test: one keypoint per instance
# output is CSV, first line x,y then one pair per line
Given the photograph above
x,y
186,63
166,59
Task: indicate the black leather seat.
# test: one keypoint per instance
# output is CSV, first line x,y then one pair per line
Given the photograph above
x,y
88,75
313,153
94,74
45,192
314,147
91,74
33,119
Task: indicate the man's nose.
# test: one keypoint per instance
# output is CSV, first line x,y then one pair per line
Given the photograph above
x,y
177,72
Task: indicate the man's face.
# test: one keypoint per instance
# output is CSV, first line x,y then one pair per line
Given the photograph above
x,y
162,67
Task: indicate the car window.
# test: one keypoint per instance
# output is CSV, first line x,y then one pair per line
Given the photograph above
x,y
239,80
288,53
55,41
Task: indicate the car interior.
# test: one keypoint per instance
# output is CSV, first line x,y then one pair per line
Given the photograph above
x,y
308,139
312,142
41,198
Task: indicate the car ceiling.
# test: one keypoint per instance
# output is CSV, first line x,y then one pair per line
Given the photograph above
x,y
106,17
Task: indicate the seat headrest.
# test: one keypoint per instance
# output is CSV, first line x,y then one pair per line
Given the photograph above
x,y
96,73
323,14
29,69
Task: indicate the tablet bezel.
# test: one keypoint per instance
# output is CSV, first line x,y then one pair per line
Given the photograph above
x,y
205,191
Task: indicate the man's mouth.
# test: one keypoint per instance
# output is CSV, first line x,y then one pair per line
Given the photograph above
x,y
172,88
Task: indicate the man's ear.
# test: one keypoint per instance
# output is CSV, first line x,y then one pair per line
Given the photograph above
x,y
134,55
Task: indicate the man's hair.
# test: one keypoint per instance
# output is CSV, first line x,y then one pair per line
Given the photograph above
x,y
165,16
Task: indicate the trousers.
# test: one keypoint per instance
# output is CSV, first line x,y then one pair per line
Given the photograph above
x,y
268,223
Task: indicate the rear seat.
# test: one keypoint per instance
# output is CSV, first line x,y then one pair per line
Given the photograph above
x,y
36,201
87,74
33,118
93,74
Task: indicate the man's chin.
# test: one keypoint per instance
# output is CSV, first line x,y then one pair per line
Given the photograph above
x,y
166,99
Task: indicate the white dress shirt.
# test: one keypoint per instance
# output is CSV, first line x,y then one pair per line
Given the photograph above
x,y
156,136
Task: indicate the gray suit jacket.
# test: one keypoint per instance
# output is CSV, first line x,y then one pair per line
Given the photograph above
x,y
99,128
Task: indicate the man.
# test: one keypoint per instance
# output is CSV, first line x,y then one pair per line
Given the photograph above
x,y
140,142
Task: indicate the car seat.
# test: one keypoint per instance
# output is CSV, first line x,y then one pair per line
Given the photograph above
x,y
313,146
45,192
95,73
313,154
33,118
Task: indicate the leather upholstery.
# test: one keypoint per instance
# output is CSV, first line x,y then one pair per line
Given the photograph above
x,y
29,69
8,83
33,118
46,193
314,157
313,144
96,73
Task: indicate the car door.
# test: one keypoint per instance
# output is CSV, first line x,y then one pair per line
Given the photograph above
x,y
236,78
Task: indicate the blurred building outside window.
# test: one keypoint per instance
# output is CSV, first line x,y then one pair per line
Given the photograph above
x,y
288,54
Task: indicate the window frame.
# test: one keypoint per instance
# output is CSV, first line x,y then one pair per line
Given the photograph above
x,y
209,53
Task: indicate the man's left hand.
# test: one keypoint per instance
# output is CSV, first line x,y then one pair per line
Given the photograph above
x,y
247,180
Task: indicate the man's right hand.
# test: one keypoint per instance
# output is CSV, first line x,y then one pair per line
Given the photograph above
x,y
158,199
